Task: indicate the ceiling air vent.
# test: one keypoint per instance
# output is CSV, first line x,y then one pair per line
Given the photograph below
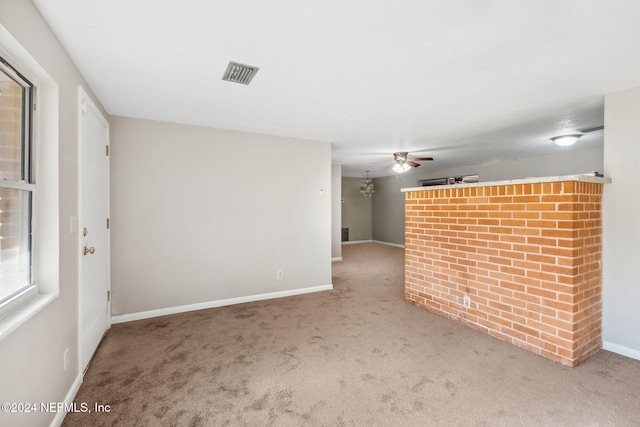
x,y
239,73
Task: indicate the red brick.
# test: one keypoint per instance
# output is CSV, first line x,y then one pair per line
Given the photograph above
x,y
529,254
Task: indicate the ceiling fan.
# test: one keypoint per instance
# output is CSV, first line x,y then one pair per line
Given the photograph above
x,y
404,162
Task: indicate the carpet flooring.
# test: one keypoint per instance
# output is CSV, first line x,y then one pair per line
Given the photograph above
x,y
357,355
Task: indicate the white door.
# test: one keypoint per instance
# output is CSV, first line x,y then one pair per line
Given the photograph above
x,y
94,232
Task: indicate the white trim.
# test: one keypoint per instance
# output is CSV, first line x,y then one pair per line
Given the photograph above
x,y
23,313
68,399
356,242
83,98
620,349
337,258
45,220
396,245
217,303
18,186
578,178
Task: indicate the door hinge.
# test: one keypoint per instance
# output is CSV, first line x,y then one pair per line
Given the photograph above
x,y
107,223
34,106
107,151
84,108
108,296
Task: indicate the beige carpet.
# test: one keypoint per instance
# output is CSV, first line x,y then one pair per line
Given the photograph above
x,y
358,355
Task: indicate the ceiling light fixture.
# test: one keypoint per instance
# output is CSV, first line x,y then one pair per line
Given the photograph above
x,y
367,188
566,140
401,165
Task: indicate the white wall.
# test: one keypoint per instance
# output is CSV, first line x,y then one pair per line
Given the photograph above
x,y
388,202
202,215
31,357
621,224
336,212
558,164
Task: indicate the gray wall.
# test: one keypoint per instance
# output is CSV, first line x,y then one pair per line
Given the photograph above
x,y
387,212
356,209
621,224
190,226
31,356
388,202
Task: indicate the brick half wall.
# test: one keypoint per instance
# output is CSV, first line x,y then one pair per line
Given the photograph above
x,y
528,255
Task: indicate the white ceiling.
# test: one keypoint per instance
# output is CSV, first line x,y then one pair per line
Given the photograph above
x,y
463,81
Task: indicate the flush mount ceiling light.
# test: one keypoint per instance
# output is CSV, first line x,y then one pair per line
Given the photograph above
x,y
367,188
239,73
566,140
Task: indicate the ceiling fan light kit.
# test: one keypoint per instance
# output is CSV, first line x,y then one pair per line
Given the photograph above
x,y
401,167
404,162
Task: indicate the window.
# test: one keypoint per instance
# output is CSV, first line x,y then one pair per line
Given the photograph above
x,y
17,186
463,179
30,277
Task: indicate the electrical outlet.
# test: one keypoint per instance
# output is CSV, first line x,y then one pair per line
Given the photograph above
x,y
467,301
67,358
280,275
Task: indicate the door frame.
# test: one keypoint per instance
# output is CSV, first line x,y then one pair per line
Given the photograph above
x,y
85,101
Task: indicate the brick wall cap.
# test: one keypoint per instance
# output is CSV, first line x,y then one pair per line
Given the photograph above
x,y
576,178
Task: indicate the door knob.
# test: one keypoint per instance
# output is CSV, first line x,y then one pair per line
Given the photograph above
x,y
87,250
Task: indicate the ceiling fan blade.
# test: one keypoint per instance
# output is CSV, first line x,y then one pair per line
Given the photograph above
x,y
421,159
412,163
593,129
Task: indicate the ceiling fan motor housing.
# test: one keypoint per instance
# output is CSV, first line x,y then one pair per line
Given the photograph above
x,y
402,157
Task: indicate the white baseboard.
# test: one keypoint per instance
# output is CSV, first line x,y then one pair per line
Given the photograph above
x,y
389,244
620,349
68,399
338,258
218,303
356,242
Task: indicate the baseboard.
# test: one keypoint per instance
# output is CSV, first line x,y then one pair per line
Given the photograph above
x,y
338,258
68,400
356,242
396,245
620,349
217,303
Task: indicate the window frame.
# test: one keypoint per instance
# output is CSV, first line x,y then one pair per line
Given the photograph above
x,y
11,302
46,169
